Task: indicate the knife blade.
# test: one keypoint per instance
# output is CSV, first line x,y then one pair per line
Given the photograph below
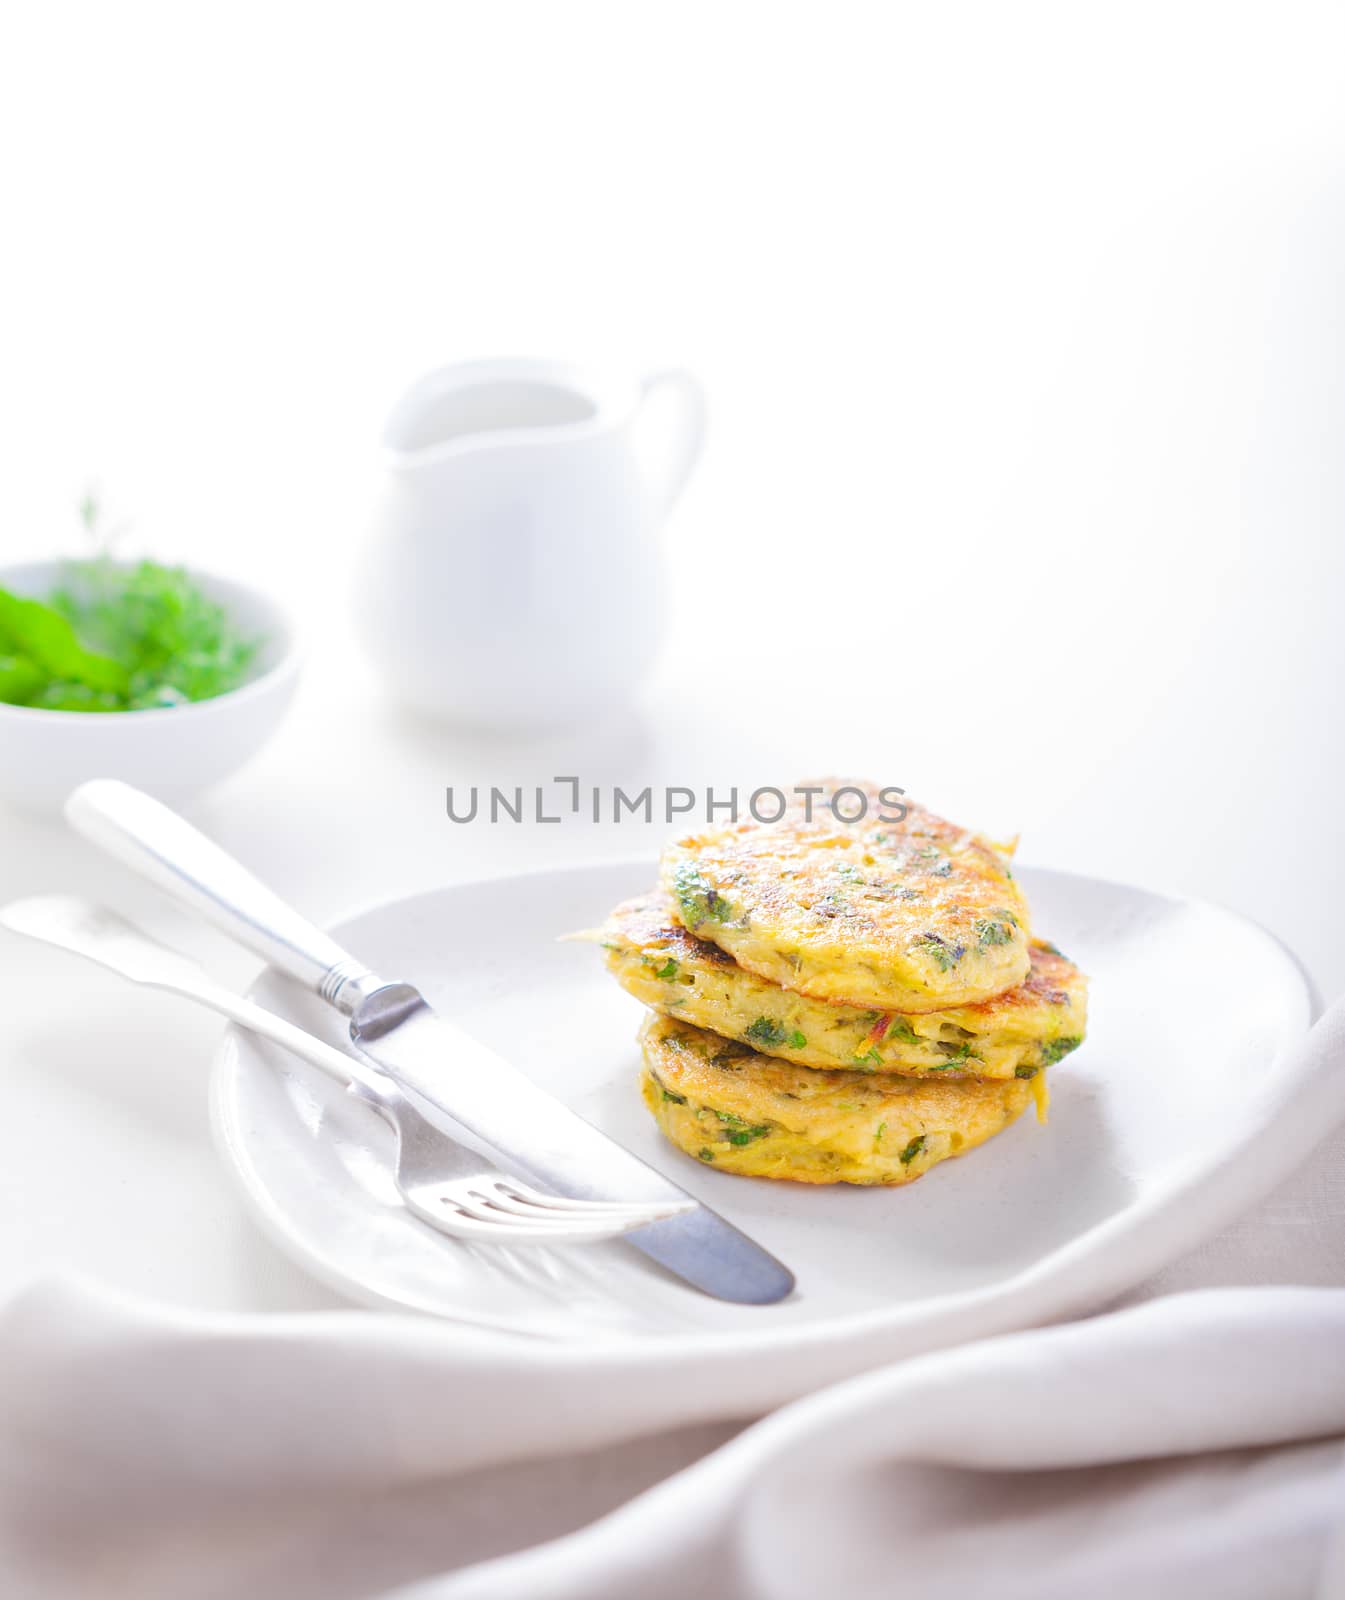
x,y
529,1131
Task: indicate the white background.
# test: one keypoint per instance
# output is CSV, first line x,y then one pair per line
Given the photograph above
x,y
1021,328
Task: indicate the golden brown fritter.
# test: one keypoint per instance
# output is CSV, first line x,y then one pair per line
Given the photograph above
x,y
750,1114
911,916
654,958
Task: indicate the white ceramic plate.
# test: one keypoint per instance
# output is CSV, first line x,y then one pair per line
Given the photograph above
x,y
1174,1115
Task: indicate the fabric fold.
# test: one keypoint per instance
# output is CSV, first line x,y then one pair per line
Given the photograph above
x,y
1194,1445
1188,1444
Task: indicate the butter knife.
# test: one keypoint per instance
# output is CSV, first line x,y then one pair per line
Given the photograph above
x,y
454,1078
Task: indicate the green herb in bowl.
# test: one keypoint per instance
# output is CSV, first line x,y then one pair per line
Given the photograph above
x,y
114,638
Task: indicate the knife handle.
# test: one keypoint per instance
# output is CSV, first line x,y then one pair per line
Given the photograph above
x,y
146,836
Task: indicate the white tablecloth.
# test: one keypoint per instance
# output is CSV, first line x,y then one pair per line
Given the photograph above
x,y
1194,1446
1191,1444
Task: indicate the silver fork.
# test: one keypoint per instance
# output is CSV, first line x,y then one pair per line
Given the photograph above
x,y
441,1181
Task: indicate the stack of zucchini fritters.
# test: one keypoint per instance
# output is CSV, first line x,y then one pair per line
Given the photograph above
x,y
839,1002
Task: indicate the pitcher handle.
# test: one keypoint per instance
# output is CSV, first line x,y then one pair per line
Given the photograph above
x,y
669,444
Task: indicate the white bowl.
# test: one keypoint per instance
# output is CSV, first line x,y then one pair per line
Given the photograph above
x,y
174,752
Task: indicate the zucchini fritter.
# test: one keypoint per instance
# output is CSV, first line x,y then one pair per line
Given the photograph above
x,y
1015,1034
910,916
750,1114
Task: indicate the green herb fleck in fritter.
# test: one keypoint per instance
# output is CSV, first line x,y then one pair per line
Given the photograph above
x,y
1057,1049
944,954
698,900
912,1150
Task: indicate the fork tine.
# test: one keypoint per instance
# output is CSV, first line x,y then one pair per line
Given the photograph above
x,y
498,1196
482,1203
457,1224
519,1201
466,1220
595,1208
473,1203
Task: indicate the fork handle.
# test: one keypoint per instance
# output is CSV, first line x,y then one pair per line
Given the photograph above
x,y
359,1082
345,1070
146,836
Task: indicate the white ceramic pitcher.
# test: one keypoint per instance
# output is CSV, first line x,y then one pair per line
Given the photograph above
x,y
511,576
